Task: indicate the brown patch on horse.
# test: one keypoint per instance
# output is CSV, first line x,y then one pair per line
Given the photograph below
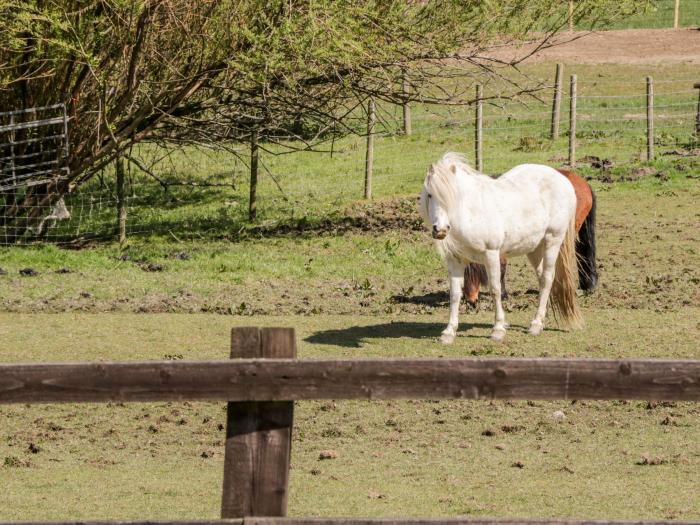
x,y
584,196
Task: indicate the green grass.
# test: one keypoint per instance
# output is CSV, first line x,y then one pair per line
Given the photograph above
x,y
660,16
362,280
647,251
412,458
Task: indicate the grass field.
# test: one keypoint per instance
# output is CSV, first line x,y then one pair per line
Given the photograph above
x,y
660,15
394,458
358,293
361,279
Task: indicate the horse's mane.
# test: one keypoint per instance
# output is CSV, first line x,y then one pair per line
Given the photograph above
x,y
441,179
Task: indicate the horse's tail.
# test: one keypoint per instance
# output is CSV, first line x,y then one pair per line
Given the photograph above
x,y
585,250
563,294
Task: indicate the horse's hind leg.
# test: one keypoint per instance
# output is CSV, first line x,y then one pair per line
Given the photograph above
x,y
546,277
493,269
456,271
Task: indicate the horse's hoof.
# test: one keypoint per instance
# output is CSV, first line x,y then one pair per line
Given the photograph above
x,y
498,335
447,338
535,328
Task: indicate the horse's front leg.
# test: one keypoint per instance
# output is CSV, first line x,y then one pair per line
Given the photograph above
x,y
493,270
456,272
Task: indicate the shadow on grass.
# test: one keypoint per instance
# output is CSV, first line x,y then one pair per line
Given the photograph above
x,y
354,336
437,299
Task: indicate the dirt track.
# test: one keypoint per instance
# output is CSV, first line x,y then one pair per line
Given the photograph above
x,y
630,46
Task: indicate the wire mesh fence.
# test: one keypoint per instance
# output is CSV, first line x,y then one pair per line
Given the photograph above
x,y
202,193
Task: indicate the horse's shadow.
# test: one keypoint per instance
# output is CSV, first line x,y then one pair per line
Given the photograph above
x,y
436,299
354,336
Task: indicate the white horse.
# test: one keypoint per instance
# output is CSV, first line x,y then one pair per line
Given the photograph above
x,y
529,210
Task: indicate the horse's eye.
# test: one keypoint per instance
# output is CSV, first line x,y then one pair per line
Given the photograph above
x,y
430,196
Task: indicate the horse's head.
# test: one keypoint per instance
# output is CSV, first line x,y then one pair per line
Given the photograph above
x,y
433,205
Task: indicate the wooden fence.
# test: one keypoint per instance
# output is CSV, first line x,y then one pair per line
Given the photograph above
x,y
264,379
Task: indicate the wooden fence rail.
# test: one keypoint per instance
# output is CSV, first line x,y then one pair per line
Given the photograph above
x,y
263,378
291,379
355,521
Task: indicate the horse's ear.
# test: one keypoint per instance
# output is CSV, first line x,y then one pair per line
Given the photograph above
x,y
453,169
431,170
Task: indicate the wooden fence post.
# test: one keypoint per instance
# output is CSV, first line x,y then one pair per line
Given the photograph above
x,y
406,88
556,102
572,122
571,16
650,119
676,9
369,159
478,129
258,435
697,112
12,151
253,200
121,203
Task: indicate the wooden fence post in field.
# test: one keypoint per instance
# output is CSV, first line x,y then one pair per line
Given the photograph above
x,y
676,9
254,155
12,150
571,16
369,159
478,129
258,435
556,102
406,88
650,119
121,204
572,122
697,112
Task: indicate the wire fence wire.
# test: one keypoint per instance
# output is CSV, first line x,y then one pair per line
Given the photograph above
x,y
195,193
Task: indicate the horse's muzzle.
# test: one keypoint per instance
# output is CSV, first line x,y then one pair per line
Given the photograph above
x,y
440,233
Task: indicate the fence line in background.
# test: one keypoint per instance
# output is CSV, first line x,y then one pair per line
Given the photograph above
x,y
596,120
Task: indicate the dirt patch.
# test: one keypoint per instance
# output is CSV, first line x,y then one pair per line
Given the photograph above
x,y
628,46
374,217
